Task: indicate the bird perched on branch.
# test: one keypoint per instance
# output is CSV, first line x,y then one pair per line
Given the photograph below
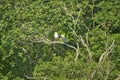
x,y
63,39
56,36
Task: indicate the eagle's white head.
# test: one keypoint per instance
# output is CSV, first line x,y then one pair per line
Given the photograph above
x,y
62,36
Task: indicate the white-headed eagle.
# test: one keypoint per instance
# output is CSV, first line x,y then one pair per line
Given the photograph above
x,y
56,36
63,39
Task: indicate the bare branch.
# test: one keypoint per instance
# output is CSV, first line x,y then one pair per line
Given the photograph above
x,y
93,74
54,42
77,52
106,53
69,13
85,45
118,78
86,27
87,40
32,78
75,21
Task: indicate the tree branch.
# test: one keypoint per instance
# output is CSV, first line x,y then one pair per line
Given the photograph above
x,y
58,42
77,52
75,21
85,45
118,78
32,78
106,53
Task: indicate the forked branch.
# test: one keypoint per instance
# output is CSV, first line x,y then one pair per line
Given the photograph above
x,y
107,52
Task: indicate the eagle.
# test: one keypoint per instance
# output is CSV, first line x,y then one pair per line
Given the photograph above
x,y
63,39
56,36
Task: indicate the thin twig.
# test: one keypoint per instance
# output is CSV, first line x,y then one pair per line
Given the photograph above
x,y
75,21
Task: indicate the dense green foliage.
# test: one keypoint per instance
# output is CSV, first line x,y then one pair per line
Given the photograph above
x,y
92,30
